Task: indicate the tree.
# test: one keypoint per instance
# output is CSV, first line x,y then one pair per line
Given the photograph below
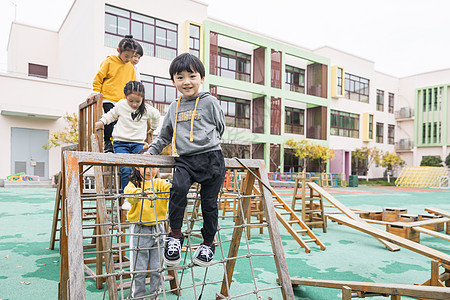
x,y
370,154
307,151
391,161
67,136
431,161
447,160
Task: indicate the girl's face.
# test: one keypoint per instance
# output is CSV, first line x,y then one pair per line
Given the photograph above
x,y
134,100
126,56
149,173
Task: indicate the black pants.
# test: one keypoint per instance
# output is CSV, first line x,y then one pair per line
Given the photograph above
x,y
208,169
107,134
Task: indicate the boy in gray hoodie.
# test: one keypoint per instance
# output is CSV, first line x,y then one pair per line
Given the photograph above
x,y
194,124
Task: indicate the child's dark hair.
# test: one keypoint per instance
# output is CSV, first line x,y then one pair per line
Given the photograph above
x,y
136,87
186,62
127,44
136,177
139,49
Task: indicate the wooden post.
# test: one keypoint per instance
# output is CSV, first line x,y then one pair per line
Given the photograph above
x,y
56,211
274,234
346,293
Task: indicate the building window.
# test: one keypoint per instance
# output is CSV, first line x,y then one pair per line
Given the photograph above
x,y
359,166
356,88
37,70
157,37
233,64
380,100
344,124
339,72
391,103
237,111
295,79
391,133
379,132
194,40
295,120
370,127
159,92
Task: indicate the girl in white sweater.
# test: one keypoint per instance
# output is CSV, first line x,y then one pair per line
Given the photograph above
x,y
130,131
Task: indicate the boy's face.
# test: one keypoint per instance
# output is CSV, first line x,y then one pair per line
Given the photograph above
x,y
135,59
188,84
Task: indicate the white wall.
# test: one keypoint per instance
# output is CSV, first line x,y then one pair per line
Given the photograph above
x,y
47,99
28,44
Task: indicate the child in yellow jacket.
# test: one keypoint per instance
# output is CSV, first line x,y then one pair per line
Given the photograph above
x,y
147,216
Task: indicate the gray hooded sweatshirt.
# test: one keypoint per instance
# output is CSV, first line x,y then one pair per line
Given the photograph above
x,y
207,129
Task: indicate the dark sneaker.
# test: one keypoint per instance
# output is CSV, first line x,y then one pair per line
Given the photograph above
x,y
172,251
108,148
204,255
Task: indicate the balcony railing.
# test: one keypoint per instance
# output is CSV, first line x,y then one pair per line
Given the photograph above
x,y
404,145
404,113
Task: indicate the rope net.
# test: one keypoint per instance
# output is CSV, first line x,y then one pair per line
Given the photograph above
x,y
240,269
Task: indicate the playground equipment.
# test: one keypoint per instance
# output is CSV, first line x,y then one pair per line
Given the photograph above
x,y
422,177
110,228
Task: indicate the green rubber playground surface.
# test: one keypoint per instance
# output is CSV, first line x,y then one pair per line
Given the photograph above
x,y
30,270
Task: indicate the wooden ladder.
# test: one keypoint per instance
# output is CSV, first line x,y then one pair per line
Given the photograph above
x,y
282,209
312,210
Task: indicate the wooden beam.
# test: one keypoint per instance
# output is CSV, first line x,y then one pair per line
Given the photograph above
x,y
417,291
348,212
438,211
413,246
432,233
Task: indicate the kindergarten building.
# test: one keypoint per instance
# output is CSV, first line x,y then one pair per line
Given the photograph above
x,y
270,90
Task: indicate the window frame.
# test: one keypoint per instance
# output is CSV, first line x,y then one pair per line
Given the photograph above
x,y
391,134
345,119
151,48
290,72
379,132
391,103
289,127
156,81
380,100
350,88
237,102
239,57
37,70
192,49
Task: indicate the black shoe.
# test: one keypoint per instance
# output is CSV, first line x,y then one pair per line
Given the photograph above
x,y
108,148
172,251
204,255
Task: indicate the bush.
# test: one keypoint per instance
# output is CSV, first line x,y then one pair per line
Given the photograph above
x,y
431,161
447,160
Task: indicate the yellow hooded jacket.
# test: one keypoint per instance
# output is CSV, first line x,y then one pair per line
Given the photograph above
x,y
148,213
112,78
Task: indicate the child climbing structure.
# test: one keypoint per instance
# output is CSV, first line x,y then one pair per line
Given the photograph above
x,y
230,235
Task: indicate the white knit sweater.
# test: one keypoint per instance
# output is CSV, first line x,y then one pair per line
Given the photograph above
x,y
127,129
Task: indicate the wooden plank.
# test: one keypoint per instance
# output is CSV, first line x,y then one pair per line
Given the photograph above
x,y
139,160
274,234
76,288
438,211
56,211
348,212
413,246
417,291
433,233
422,223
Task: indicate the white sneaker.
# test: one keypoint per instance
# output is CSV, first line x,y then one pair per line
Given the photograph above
x,y
126,205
